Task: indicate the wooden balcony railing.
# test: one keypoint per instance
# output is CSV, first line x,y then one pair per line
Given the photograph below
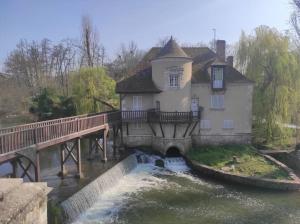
x,y
160,116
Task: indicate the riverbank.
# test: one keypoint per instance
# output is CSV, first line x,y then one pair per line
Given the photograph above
x,y
237,159
243,165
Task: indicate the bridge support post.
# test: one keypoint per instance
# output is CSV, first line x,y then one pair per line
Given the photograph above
x,y
69,149
104,146
62,172
37,168
14,168
115,133
78,157
98,143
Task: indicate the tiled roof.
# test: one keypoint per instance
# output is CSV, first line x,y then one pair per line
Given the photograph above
x,y
203,58
231,75
171,50
141,82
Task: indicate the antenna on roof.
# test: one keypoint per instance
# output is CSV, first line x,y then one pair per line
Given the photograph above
x,y
214,40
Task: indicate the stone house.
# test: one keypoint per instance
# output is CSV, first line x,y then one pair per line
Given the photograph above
x,y
179,97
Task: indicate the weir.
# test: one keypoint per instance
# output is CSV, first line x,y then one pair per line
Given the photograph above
x,y
77,204
87,196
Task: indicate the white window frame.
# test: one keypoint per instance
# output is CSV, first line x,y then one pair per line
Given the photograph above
x,y
173,75
157,105
228,124
217,101
218,76
137,103
195,110
205,124
174,81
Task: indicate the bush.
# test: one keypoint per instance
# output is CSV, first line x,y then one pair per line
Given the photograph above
x,y
50,105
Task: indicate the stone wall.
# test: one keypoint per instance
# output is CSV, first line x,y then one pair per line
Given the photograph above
x,y
221,139
247,180
23,203
158,144
161,144
137,140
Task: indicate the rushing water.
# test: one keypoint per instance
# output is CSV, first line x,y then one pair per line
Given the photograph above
x,y
174,195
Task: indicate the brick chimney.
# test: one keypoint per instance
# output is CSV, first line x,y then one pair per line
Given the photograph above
x,y
229,60
220,49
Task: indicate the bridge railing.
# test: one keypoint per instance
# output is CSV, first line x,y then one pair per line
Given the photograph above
x,y
39,124
23,137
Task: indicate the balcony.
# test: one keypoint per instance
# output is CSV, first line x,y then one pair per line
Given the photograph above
x,y
160,116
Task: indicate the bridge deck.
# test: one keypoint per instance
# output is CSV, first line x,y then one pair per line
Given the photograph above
x,y
40,135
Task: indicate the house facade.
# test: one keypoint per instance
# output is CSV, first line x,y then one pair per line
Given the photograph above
x,y
180,97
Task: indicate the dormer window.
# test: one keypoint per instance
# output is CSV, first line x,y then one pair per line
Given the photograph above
x,y
217,77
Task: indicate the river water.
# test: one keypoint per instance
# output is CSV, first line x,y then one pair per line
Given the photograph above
x,y
174,195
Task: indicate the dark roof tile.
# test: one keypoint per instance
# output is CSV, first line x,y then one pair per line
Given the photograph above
x,y
203,58
138,83
171,50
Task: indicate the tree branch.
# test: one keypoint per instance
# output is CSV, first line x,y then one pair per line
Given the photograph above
x,y
105,103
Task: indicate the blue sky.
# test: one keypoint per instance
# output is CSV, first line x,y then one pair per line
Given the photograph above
x,y
143,21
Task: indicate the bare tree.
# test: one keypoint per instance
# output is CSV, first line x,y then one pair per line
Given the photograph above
x,y
64,61
29,63
128,57
92,52
295,17
39,65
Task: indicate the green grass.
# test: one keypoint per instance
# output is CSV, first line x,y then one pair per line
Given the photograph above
x,y
237,159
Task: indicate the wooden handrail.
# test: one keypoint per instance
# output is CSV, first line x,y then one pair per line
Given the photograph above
x,y
45,131
16,138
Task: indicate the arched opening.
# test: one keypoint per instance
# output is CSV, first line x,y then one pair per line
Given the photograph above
x,y
173,152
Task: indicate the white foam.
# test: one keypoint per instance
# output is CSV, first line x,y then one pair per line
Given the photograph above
x,y
144,177
105,210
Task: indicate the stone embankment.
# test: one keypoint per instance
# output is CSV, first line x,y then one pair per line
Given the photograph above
x,y
23,203
288,185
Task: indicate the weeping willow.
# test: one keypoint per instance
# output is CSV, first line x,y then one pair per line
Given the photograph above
x,y
267,59
89,84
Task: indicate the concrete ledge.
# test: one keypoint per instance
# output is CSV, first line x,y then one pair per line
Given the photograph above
x,y
23,202
286,185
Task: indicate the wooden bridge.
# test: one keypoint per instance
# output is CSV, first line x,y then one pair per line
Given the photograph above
x,y
26,141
